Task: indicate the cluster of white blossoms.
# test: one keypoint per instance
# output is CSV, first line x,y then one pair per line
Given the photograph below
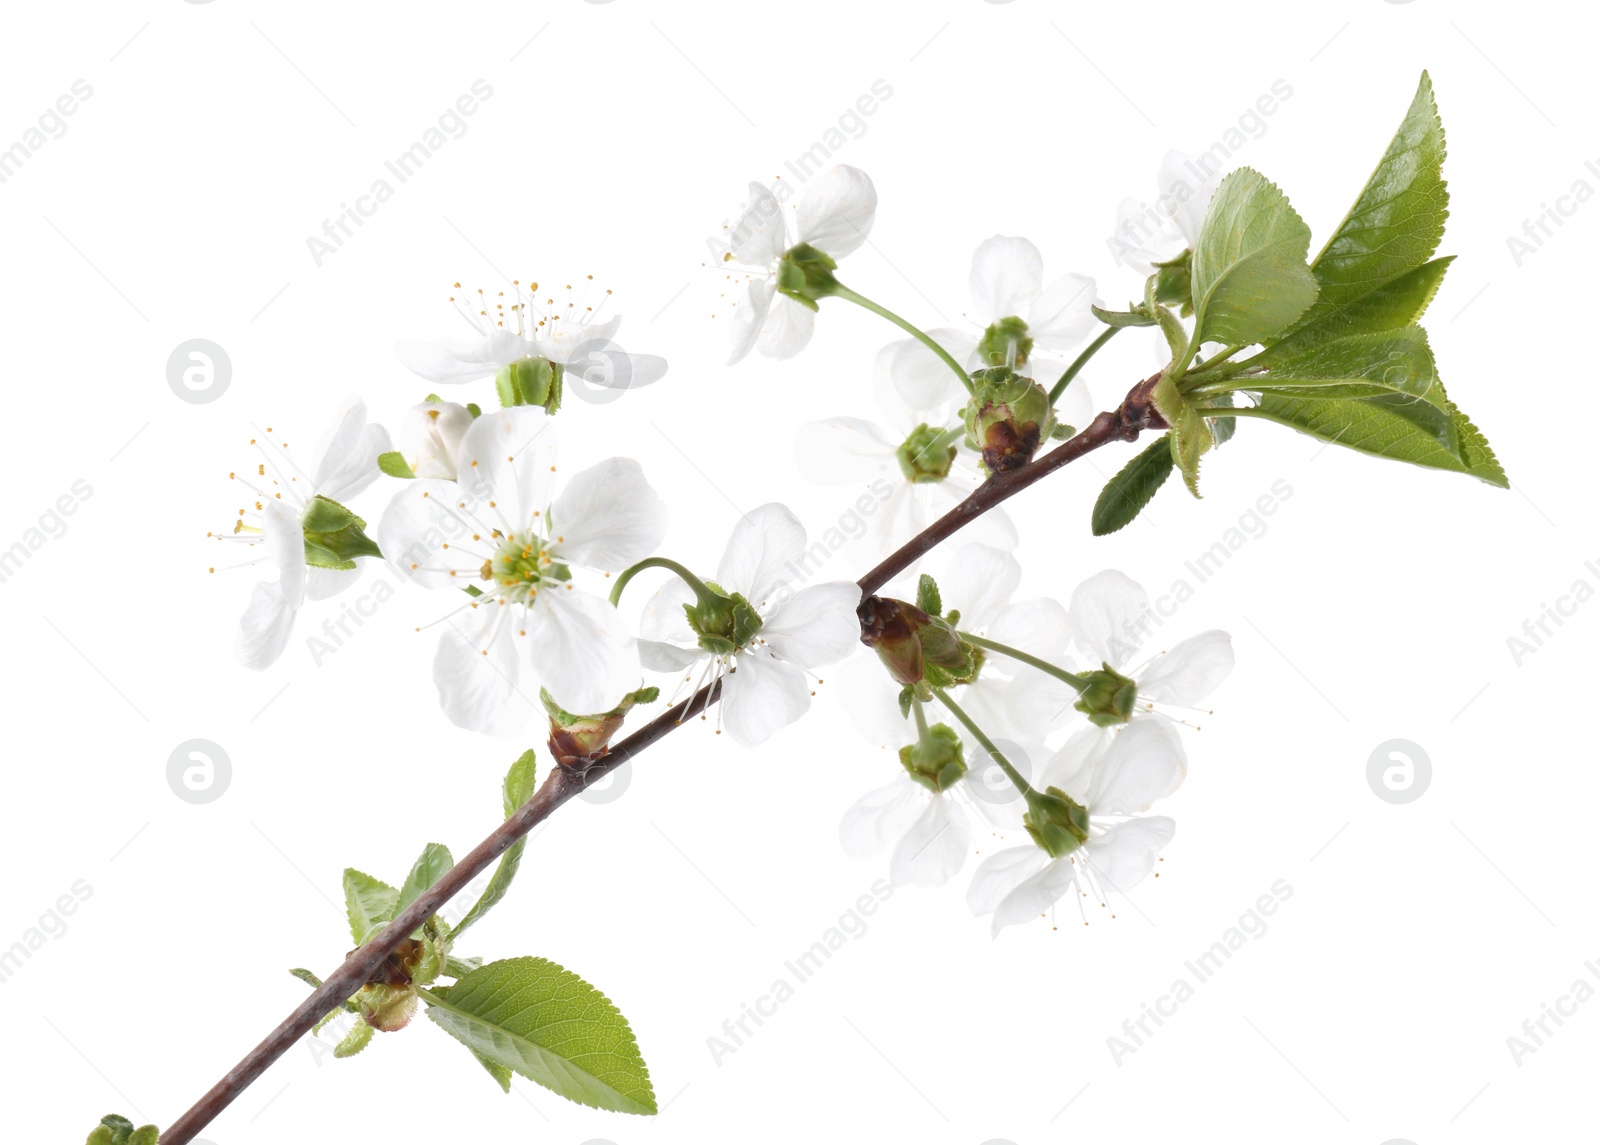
x,y
1006,715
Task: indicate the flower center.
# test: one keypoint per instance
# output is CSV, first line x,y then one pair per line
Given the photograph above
x,y
926,455
1006,343
523,564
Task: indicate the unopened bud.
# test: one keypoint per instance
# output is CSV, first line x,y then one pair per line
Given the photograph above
x,y
1056,822
431,436
578,741
1007,418
917,648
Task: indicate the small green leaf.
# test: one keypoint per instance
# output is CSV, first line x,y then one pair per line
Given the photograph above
x,y
355,1041
368,903
460,967
516,790
906,698
429,868
474,409
1133,316
550,1026
1126,494
928,595
395,465
307,977
1250,278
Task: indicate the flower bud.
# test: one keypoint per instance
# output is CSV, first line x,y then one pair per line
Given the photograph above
x,y
916,647
1056,822
116,1130
805,274
1173,283
1005,343
1007,418
935,760
387,1008
577,741
431,436
926,455
1108,697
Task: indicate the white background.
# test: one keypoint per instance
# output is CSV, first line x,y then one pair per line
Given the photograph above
x,y
1377,604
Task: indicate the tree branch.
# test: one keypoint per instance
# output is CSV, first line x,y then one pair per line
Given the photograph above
x,y
1123,424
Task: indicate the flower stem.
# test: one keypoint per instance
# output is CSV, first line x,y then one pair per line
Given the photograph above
x,y
1075,682
843,291
1080,362
1015,776
702,591
922,719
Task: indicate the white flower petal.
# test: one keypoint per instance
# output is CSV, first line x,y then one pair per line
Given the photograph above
x,y
451,362
663,618
1035,626
765,542
321,584
1037,704
1074,766
871,700
1035,896
836,212
758,235
507,465
934,848
762,697
1006,275
1121,857
1186,183
979,581
922,379
580,650
430,438
284,538
817,626
1105,615
608,517
659,656
419,526
1191,671
750,317
1000,874
562,341
264,628
1144,763
844,451
1062,317
881,815
346,461
476,671
787,329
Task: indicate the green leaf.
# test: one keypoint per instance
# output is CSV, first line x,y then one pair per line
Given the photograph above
x,y
1360,366
1126,494
368,903
928,595
550,1026
1395,304
429,868
460,967
1133,316
1398,219
1250,278
1399,428
355,1041
516,790
307,977
395,465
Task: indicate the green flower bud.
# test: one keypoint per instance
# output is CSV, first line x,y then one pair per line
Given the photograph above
x,y
1006,343
723,622
334,536
926,455
577,741
530,382
1173,285
387,1008
1108,698
1056,822
1007,418
805,274
935,760
919,650
117,1130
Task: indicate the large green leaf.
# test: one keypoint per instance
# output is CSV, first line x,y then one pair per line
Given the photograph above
x,y
429,868
517,789
1397,362
368,903
1126,494
1249,271
1395,427
1398,219
1397,303
552,1027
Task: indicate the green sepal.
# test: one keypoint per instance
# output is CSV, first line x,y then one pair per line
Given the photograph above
x,y
928,595
935,760
355,1041
1055,821
475,410
1107,697
805,274
393,464
334,536
1174,282
907,697
1126,494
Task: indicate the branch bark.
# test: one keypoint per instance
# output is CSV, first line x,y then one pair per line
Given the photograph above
x,y
1125,423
